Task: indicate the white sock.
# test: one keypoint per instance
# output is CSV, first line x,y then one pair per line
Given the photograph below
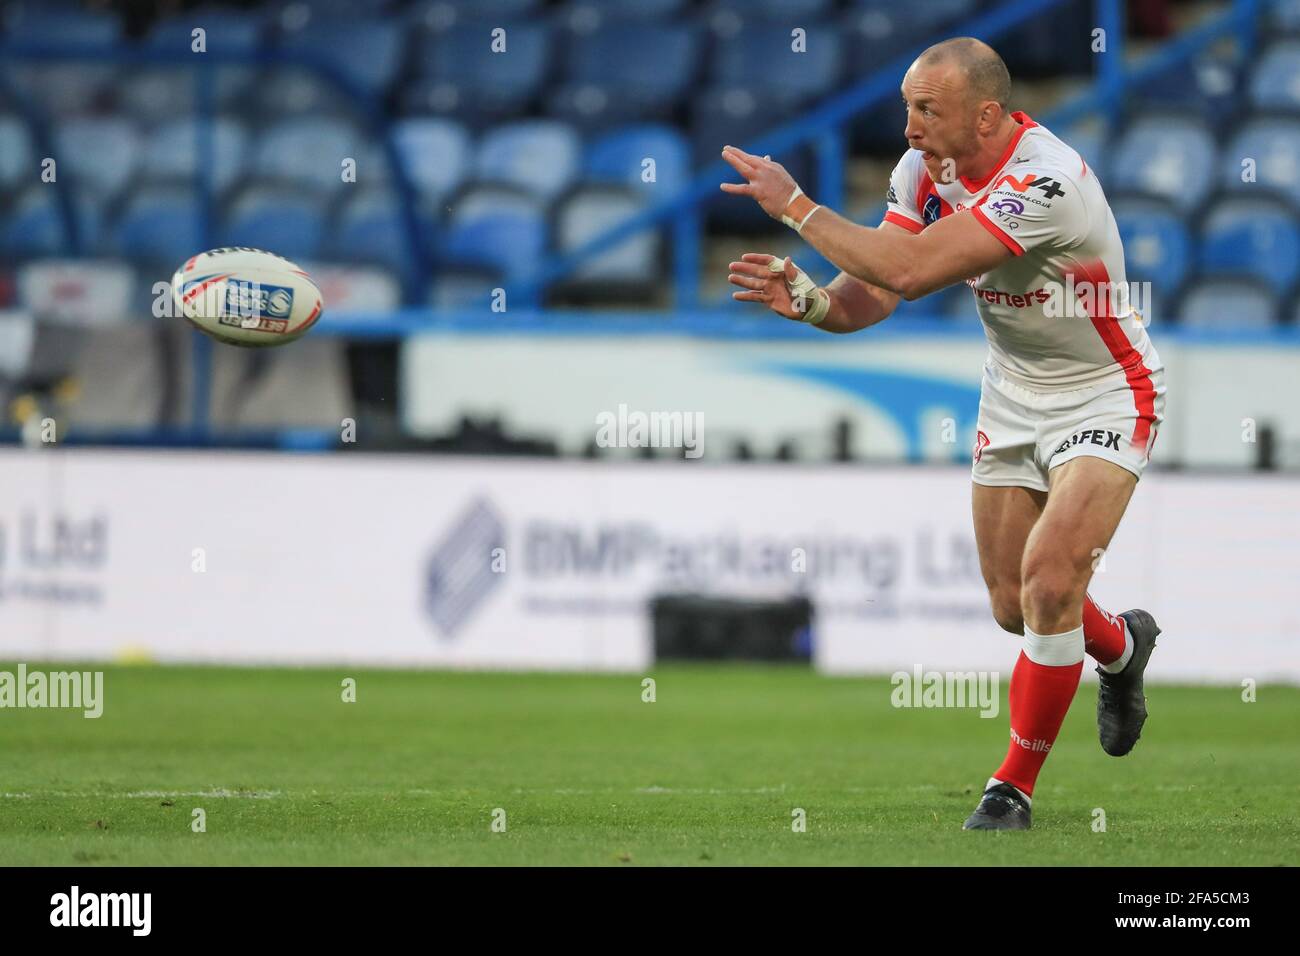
x,y
1055,650
1117,665
994,781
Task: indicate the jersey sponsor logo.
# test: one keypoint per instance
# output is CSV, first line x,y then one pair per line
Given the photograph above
x,y
981,442
1011,206
1091,436
1015,300
1050,188
933,209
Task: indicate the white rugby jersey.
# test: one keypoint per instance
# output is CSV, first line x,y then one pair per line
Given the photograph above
x,y
1044,204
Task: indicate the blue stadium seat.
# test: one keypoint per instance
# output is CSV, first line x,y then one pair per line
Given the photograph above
x,y
619,157
1284,18
367,52
33,225
65,89
1275,81
1170,156
459,74
370,228
287,91
1208,85
265,218
1157,246
1228,304
540,156
1252,238
440,14
463,289
584,16
170,152
37,23
309,152
151,95
1089,141
18,165
593,210
225,30
762,57
437,154
159,224
627,71
100,155
1272,147
496,228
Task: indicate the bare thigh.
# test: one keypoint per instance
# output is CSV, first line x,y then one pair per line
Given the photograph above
x,y
1004,518
1087,499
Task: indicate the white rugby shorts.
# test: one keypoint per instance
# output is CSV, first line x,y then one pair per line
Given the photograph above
x,y
1022,434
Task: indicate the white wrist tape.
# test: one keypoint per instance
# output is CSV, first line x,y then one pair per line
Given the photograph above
x,y
796,215
808,298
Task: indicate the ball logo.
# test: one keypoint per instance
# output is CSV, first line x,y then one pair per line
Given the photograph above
x,y
279,303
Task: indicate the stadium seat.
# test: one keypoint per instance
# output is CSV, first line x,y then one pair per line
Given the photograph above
x,y
370,227
1275,81
65,89
151,95
763,57
310,152
1251,238
440,14
33,225
1284,18
225,29
1208,85
584,16
458,73
1089,141
1171,156
496,228
463,289
1228,304
437,154
1157,246
627,71
17,154
619,157
159,225
98,155
292,225
170,152
46,23
366,52
1268,149
540,156
593,210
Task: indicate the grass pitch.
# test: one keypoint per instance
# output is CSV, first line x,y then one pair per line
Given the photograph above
x,y
587,773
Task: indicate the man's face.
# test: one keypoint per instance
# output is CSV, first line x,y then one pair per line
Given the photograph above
x,y
940,118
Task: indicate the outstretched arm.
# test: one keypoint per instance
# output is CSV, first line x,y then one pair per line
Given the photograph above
x,y
948,251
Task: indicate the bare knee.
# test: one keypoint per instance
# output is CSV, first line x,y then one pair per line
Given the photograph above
x,y
1050,597
1006,609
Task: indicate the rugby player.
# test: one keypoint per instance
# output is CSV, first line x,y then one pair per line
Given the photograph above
x,y
1072,393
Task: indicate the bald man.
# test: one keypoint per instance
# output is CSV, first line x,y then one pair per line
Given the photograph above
x,y
1072,393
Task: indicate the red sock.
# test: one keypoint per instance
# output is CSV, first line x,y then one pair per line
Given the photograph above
x,y
1103,633
1040,695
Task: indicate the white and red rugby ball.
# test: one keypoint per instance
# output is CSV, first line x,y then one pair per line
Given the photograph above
x,y
246,296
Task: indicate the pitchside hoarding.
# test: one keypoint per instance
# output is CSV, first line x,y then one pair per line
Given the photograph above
x,y
550,564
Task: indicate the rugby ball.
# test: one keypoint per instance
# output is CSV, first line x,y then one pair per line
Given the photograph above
x,y
246,297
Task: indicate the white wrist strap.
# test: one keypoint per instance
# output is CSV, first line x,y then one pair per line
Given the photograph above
x,y
809,299
798,224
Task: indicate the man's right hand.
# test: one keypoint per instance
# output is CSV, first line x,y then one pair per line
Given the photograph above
x,y
753,273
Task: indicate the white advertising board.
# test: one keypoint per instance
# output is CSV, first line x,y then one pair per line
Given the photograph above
x,y
399,560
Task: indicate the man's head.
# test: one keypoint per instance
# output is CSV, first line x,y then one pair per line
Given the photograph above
x,y
956,95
